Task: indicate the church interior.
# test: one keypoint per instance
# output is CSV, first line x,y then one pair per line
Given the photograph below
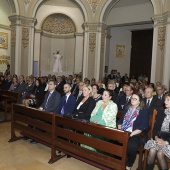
x,y
93,37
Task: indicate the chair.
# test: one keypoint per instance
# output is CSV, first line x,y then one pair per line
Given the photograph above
x,y
150,136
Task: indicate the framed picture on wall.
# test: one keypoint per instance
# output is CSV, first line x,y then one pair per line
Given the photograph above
x,y
120,51
3,40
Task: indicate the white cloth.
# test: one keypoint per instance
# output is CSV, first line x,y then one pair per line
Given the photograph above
x,y
57,65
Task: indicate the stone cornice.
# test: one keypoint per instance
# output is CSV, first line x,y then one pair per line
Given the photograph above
x,y
5,27
66,36
18,20
94,27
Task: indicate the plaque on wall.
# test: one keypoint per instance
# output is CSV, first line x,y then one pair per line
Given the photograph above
x,y
120,51
3,40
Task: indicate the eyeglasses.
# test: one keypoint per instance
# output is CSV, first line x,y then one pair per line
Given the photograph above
x,y
134,99
158,89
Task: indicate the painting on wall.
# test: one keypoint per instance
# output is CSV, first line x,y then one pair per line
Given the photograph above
x,y
120,51
3,40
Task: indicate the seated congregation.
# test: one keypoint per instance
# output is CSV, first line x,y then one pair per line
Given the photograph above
x,y
99,103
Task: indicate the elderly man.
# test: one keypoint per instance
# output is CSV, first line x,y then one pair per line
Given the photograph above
x,y
111,86
152,102
160,93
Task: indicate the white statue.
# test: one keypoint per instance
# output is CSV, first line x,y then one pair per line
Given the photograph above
x,y
57,65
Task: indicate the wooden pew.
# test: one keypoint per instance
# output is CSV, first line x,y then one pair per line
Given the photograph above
x,y
110,154
67,135
6,100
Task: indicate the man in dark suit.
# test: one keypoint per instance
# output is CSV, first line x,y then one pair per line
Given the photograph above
x,y
52,99
21,85
111,86
75,87
7,82
160,93
78,93
111,76
29,88
60,85
124,100
152,102
68,101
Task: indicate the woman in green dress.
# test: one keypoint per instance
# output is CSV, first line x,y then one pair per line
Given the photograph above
x,y
105,111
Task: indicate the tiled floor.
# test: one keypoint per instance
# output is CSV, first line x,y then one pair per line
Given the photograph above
x,y
21,155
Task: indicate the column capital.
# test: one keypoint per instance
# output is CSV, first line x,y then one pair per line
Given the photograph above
x,y
18,20
94,27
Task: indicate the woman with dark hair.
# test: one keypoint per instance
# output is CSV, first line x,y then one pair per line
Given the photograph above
x,y
135,119
36,96
105,111
14,84
96,96
159,145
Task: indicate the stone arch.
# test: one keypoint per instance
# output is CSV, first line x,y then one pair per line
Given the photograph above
x,y
58,23
157,5
36,5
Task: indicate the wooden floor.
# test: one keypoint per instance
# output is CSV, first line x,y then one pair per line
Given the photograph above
x,y
21,155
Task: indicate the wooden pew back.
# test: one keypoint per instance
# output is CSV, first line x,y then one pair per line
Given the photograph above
x,y
110,144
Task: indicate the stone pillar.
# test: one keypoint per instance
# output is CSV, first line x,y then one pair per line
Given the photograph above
x,y
158,48
22,44
78,53
94,50
166,64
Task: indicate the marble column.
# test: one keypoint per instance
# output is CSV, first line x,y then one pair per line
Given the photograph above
x,y
158,48
94,50
22,44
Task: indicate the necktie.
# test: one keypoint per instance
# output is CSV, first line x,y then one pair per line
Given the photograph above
x,y
148,103
62,110
160,97
127,100
48,100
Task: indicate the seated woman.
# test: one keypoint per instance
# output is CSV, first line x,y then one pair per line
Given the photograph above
x,y
96,96
85,104
159,146
14,84
105,111
37,96
135,119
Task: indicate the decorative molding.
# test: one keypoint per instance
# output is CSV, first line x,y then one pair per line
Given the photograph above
x,y
5,27
13,36
161,37
66,36
3,40
25,37
58,24
26,2
103,43
6,57
94,4
96,27
92,41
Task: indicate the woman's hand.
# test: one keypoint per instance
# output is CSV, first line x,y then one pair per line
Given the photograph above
x,y
160,142
32,96
95,121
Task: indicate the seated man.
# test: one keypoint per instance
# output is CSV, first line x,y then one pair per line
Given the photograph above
x,y
68,101
79,92
7,82
52,99
152,102
111,86
160,94
21,85
125,99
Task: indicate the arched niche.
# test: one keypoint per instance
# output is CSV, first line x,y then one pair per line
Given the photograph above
x,y
57,34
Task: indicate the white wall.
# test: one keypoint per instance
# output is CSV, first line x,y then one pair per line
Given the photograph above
x,y
121,36
130,14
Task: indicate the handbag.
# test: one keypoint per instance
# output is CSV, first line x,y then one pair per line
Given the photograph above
x,y
164,135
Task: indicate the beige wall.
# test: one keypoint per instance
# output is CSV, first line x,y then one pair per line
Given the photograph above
x,y
130,14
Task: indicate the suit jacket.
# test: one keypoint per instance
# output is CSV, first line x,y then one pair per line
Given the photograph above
x,y
53,102
59,88
6,84
141,122
155,104
111,76
161,100
115,97
85,110
69,106
122,102
20,87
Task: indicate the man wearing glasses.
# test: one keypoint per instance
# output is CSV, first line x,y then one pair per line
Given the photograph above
x,y
160,93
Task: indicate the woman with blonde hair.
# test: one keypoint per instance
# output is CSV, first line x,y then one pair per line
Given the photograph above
x,y
85,104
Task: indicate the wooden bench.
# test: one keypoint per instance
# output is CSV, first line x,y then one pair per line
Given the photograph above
x,y
6,100
67,135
